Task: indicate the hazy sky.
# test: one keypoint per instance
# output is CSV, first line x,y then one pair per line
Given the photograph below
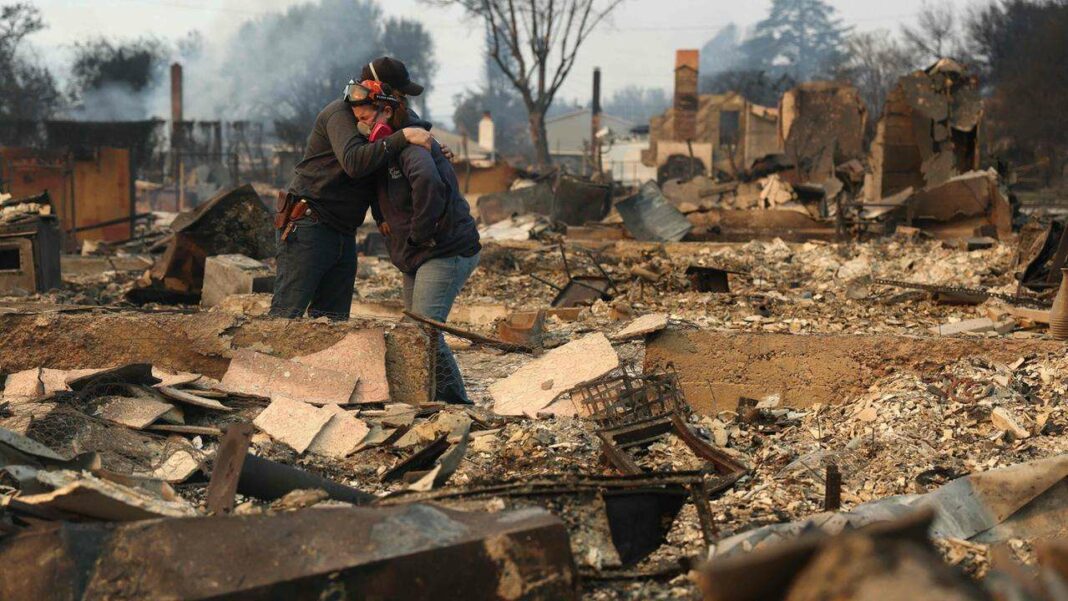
x,y
635,47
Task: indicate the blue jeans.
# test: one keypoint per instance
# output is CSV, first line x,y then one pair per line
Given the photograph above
x,y
316,272
430,292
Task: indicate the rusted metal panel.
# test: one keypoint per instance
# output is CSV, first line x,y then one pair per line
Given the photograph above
x,y
583,290
84,191
412,552
524,328
649,216
103,192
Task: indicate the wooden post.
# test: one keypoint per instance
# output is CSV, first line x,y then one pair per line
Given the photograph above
x,y
227,469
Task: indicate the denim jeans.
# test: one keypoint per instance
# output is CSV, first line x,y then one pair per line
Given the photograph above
x,y
316,272
430,292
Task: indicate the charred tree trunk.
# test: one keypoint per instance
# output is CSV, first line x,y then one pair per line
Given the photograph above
x,y
539,138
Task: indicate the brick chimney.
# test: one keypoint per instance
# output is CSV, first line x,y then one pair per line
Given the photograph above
x,y
685,122
487,134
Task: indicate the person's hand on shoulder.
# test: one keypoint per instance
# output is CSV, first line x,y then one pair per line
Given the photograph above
x,y
418,136
445,150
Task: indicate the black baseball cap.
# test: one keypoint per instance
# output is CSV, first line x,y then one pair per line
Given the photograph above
x,y
392,71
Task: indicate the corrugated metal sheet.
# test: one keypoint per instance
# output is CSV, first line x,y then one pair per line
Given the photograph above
x,y
650,217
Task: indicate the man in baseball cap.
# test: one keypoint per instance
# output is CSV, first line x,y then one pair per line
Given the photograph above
x,y
393,72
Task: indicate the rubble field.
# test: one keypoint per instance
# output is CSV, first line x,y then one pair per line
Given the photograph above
x,y
807,366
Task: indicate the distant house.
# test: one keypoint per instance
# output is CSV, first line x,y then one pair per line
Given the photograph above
x,y
718,132
477,169
731,133
569,145
473,151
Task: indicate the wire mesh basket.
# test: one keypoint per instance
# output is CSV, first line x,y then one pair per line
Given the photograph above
x,y
621,399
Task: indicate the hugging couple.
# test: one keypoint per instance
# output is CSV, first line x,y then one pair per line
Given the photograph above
x,y
369,150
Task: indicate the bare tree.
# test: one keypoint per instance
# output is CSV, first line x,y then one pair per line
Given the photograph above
x,y
535,43
935,34
875,62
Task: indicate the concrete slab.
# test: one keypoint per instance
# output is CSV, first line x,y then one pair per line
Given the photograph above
x,y
23,386
341,436
87,495
292,422
532,387
136,413
178,467
644,325
362,355
263,375
188,398
225,275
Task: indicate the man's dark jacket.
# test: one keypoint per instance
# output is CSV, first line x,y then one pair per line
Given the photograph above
x,y
419,197
336,175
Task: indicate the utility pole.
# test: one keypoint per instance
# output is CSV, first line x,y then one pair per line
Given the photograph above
x,y
595,124
177,143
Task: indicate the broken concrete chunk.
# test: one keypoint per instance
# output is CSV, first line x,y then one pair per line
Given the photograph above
x,y
377,436
267,376
174,380
981,324
23,386
55,380
178,467
136,413
28,446
395,415
233,274
445,422
362,356
341,436
92,497
1003,420
646,324
567,366
191,399
292,422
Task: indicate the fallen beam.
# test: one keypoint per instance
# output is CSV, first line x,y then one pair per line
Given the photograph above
x,y
412,552
467,335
